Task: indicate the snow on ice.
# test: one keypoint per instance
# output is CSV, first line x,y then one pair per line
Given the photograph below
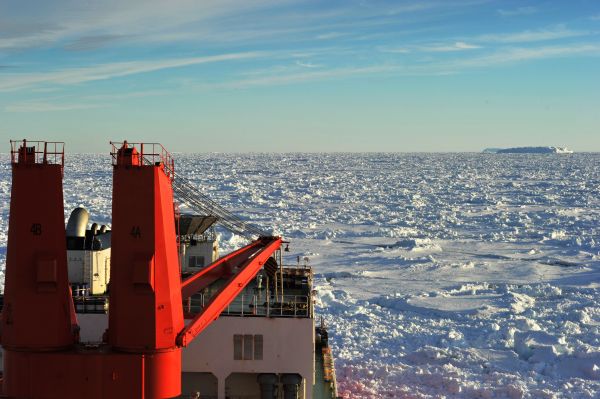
x,y
439,275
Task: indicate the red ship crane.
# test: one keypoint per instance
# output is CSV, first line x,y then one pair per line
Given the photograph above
x,y
141,357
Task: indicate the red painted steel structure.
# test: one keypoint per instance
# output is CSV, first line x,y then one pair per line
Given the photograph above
x,y
145,285
231,289
222,267
142,355
36,265
38,316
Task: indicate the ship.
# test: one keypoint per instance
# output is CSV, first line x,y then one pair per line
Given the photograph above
x,y
147,308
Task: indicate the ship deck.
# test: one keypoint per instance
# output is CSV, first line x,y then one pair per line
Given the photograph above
x,y
286,295
324,387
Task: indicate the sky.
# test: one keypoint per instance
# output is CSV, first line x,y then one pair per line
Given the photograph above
x,y
309,76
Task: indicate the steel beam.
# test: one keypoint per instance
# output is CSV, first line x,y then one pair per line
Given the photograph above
x,y
222,267
230,290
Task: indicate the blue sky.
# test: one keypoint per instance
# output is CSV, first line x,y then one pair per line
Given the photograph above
x,y
280,75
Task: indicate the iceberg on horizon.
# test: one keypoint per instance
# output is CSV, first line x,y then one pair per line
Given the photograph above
x,y
529,150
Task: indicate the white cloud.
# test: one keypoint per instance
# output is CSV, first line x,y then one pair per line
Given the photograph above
x,y
434,67
394,50
471,43
457,46
465,46
299,77
17,81
48,107
513,55
528,10
285,75
307,64
80,24
554,33
330,35
93,42
433,48
112,22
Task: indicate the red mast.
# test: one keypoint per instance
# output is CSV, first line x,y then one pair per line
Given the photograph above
x,y
38,314
146,311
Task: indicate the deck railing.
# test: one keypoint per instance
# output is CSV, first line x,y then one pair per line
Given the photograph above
x,y
90,304
298,306
150,153
43,152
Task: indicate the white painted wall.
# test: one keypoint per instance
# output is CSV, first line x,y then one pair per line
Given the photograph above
x,y
208,249
288,347
90,267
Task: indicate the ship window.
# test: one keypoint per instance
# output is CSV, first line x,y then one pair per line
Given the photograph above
x,y
237,347
196,261
247,347
258,347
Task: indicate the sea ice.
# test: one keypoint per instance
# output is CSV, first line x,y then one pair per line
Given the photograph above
x,y
439,275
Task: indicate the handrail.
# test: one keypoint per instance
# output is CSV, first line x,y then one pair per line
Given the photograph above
x,y
44,152
150,153
295,306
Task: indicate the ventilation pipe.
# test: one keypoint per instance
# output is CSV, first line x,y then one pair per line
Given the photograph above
x,y
291,385
267,385
77,222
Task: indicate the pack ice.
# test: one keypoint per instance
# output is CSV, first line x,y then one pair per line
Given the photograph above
x,y
439,275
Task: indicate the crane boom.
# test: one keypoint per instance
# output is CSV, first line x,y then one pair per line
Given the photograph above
x,y
222,267
231,289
